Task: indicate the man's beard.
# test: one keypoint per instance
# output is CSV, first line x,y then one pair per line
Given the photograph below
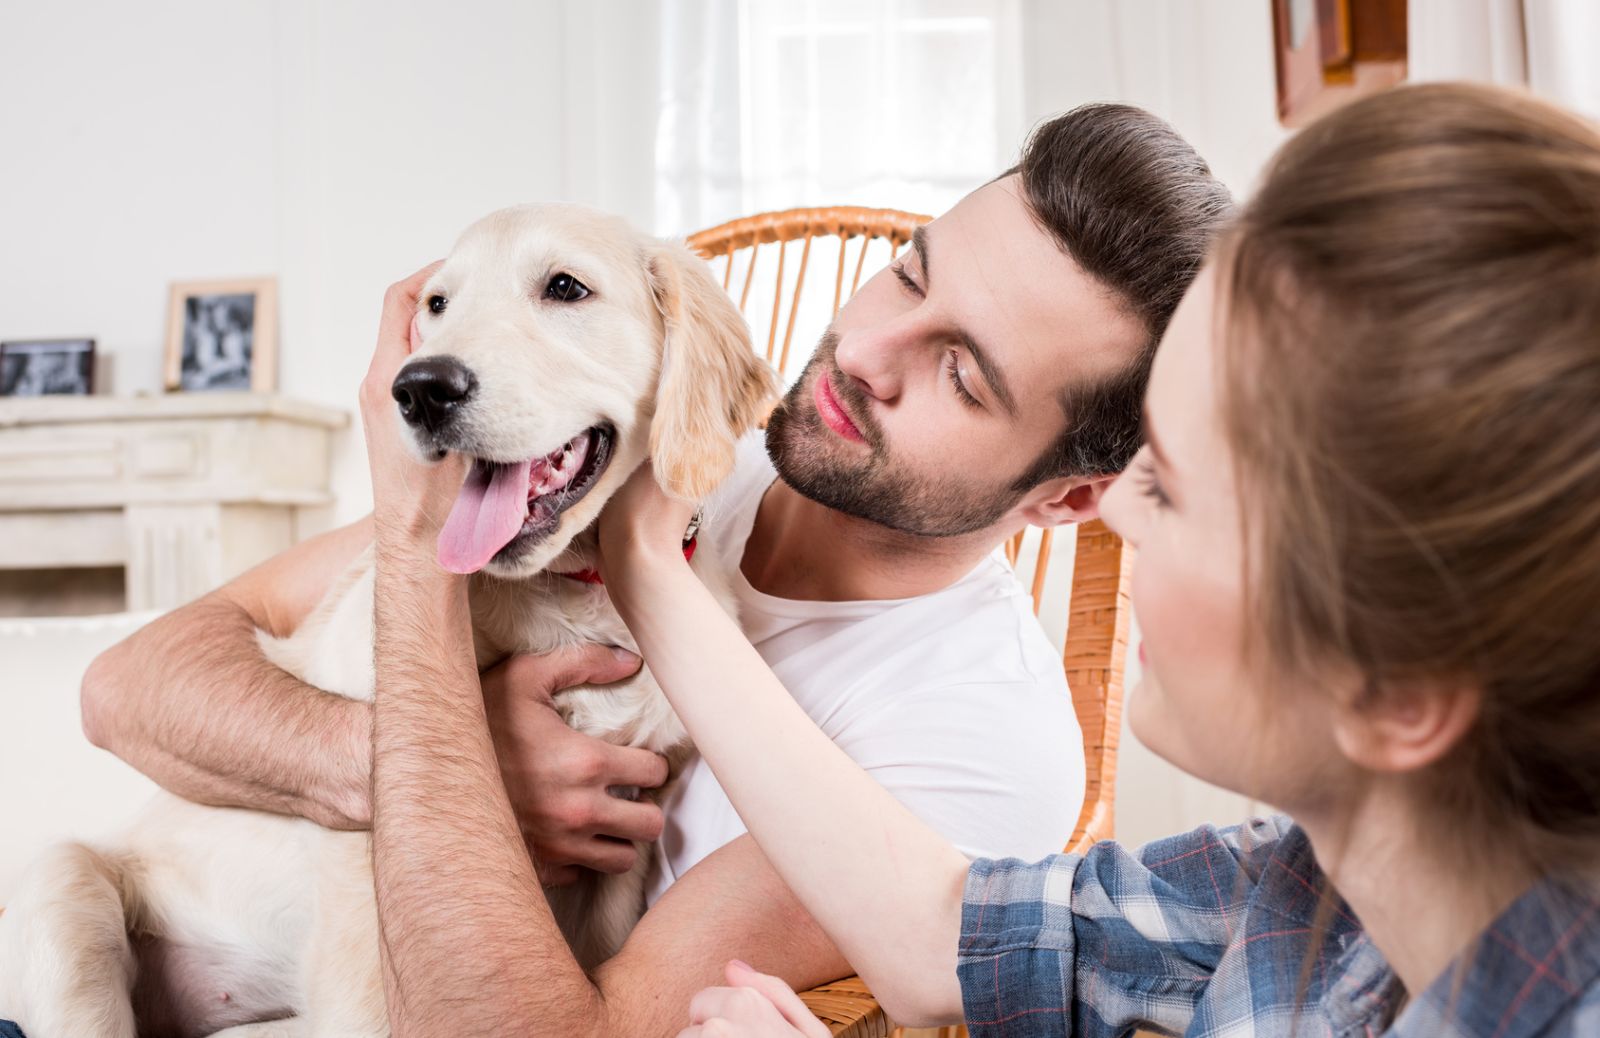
x,y
874,488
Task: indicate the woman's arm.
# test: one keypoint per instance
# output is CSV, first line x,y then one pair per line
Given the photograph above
x,y
885,887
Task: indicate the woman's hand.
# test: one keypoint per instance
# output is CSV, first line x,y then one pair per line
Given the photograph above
x,y
755,1005
641,524
410,498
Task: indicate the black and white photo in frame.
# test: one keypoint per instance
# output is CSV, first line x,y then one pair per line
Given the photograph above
x,y
222,335
47,367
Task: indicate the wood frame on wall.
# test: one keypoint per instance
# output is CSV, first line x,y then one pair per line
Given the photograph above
x,y
1329,52
264,329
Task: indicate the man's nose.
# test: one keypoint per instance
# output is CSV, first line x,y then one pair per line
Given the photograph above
x,y
876,357
431,390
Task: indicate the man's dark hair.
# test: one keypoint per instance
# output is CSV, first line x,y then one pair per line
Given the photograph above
x,y
1136,207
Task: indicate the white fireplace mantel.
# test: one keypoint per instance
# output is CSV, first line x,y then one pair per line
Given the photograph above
x,y
183,491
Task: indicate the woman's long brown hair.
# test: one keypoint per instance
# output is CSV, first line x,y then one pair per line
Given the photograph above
x,y
1411,387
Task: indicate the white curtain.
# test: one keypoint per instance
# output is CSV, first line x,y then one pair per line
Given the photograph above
x,y
1548,45
906,104
1479,40
1563,37
699,176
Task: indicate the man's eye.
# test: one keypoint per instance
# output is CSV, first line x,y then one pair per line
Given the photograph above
x,y
564,288
905,279
953,370
436,304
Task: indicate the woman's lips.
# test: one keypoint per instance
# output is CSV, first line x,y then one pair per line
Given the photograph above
x,y
833,414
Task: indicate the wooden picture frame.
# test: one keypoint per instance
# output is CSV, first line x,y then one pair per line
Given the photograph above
x,y
1329,52
222,336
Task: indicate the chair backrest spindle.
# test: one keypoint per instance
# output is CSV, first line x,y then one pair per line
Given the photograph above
x,y
794,304
861,260
749,275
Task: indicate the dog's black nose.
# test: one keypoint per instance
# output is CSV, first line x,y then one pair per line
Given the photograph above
x,y
430,390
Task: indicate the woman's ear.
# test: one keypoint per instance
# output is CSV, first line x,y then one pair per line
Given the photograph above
x,y
712,388
1405,727
1067,499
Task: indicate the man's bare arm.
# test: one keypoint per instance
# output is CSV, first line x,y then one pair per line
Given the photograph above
x,y
469,944
191,701
469,941
731,905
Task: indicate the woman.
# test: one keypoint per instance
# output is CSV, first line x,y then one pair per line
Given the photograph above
x,y
1368,525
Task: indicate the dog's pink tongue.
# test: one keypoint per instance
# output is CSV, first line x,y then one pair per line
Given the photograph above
x,y
488,512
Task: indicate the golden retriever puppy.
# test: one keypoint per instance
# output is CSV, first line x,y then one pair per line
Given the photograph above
x,y
557,348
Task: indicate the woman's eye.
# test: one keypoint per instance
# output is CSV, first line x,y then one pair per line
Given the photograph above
x,y
564,288
1145,473
436,304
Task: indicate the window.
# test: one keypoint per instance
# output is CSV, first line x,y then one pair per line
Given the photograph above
x,y
904,104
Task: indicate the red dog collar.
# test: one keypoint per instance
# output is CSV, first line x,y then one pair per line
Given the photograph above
x,y
592,576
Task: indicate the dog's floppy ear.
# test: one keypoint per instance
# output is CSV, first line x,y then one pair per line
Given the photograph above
x,y
713,388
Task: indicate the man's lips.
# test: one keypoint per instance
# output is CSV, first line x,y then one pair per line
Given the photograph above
x,y
832,412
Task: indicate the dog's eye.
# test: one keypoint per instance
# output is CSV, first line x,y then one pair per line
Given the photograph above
x,y
436,304
564,288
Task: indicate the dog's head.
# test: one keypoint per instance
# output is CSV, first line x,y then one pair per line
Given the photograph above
x,y
559,348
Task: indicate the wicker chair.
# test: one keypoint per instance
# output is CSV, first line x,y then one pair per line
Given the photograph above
x,y
1097,611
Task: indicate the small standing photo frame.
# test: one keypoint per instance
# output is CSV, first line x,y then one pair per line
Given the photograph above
x,y
47,367
223,335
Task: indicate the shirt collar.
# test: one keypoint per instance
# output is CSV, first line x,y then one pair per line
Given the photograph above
x,y
1536,961
1361,1001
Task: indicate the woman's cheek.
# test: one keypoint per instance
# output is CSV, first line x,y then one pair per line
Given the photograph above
x,y
1149,712
1186,701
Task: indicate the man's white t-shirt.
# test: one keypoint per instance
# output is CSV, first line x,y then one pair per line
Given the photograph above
x,y
954,701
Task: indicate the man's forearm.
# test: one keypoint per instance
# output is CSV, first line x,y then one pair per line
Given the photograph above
x,y
469,944
191,701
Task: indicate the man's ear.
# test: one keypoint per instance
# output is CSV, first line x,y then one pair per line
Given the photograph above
x,y
1404,727
712,388
1066,499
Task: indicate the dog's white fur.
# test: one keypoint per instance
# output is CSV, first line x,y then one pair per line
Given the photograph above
x,y
203,918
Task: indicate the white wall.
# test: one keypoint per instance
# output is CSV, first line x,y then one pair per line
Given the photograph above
x,y
138,149
338,146
1203,65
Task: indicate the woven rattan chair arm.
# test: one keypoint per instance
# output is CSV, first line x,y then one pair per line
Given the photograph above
x,y
848,1008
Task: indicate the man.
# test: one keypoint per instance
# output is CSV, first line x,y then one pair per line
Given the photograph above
x,y
992,377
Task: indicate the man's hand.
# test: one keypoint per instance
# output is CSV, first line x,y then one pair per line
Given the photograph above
x,y
557,779
755,1005
411,499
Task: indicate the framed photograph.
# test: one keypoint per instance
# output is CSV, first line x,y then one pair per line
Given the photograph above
x,y
1329,52
223,335
46,367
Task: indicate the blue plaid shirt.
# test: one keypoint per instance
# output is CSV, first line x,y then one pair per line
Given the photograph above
x,y
1210,935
